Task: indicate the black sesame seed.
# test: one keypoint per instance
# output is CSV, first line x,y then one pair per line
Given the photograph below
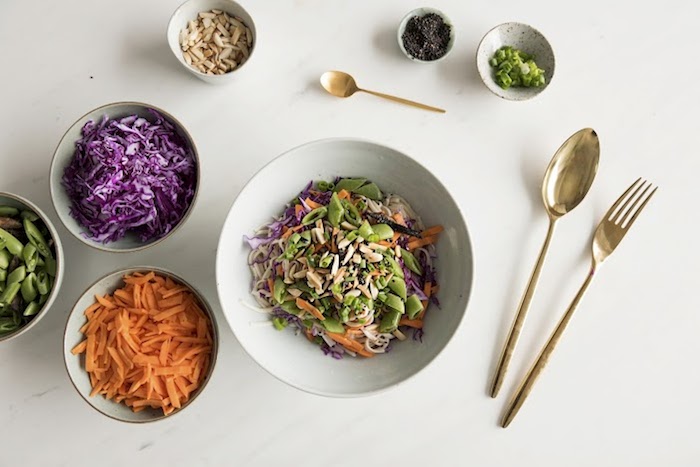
x,y
426,37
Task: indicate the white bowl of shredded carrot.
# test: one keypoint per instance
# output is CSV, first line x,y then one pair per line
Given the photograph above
x,y
140,344
308,342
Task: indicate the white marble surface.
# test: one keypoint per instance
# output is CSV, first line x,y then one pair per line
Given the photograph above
x,y
620,390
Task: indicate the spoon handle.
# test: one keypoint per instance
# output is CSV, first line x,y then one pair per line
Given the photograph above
x,y
517,326
404,101
529,381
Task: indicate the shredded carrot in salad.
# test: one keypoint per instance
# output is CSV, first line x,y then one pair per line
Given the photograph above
x,y
148,344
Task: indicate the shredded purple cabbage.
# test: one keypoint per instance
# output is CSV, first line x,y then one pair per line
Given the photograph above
x,y
290,318
130,175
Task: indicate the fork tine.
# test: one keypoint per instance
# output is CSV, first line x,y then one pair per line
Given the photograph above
x,y
644,203
612,209
618,214
625,213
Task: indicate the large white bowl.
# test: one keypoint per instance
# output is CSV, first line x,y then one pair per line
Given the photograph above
x,y
291,358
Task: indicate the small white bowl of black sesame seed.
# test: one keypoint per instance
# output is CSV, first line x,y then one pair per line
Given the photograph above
x,y
426,35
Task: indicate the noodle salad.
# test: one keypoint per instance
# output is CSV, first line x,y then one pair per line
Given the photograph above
x,y
349,266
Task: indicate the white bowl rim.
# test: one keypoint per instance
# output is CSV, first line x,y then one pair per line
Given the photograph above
x,y
58,280
370,392
478,49
424,11
195,153
215,339
196,71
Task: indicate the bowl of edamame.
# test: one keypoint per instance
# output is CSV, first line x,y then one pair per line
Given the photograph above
x,y
31,265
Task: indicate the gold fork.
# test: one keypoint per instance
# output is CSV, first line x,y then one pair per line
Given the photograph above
x,y
608,235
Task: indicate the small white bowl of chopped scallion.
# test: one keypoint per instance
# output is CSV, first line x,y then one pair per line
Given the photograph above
x,y
515,61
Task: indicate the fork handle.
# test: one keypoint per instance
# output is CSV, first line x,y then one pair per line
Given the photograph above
x,y
529,381
519,320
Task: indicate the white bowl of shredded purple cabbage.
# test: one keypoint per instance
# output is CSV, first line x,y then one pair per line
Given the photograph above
x,y
314,276
124,177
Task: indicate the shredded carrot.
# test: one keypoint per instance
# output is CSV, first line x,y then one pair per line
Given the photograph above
x,y
280,271
271,284
399,218
421,242
298,209
304,305
146,358
434,230
289,232
414,323
344,194
426,288
312,204
349,344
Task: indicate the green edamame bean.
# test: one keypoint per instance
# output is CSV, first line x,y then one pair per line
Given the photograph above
x,y
8,211
335,210
313,216
13,245
31,215
9,294
36,238
30,255
28,289
17,276
42,283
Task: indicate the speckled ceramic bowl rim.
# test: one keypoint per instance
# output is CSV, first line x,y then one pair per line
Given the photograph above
x,y
58,248
420,12
481,42
195,153
196,71
207,309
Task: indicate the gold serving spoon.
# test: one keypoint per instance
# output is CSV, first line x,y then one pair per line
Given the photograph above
x,y
610,232
341,84
566,182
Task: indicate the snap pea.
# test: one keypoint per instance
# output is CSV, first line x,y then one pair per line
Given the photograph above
x,y
9,293
42,283
5,258
335,210
390,321
333,325
17,276
371,191
2,243
398,286
43,299
384,231
8,211
28,289
291,308
349,184
413,306
351,214
2,282
313,216
394,265
365,230
279,290
13,245
50,266
30,256
305,235
32,309
395,303
411,262
7,325
3,275
36,238
279,323
31,215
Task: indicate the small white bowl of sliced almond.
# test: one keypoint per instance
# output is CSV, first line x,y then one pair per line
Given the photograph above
x,y
212,38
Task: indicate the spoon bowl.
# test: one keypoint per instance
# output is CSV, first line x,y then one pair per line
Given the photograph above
x,y
570,174
567,180
341,84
